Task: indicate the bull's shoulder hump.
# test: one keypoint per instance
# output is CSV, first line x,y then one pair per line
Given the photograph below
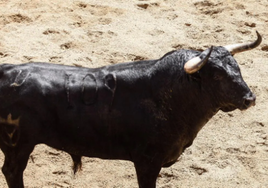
x,y
130,65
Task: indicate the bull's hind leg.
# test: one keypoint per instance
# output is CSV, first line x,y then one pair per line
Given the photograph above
x,y
147,173
16,159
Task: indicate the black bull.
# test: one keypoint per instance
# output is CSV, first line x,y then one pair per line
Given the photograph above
x,y
146,112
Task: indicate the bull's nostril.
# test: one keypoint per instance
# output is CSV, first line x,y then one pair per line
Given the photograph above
x,y
250,101
247,102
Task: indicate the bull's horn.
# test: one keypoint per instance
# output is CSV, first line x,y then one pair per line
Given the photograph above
x,y
196,63
236,48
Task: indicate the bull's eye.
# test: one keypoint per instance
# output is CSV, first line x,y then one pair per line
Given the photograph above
x,y
217,77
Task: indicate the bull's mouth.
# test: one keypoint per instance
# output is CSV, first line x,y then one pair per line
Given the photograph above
x,y
244,104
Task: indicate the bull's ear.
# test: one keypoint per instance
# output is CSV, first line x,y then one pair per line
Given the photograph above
x,y
196,63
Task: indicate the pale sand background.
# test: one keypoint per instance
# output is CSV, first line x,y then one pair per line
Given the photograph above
x,y
232,149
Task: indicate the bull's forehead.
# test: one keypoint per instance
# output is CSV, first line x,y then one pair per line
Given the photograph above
x,y
222,57
219,52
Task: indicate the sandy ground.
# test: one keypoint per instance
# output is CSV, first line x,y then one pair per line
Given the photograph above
x,y
230,151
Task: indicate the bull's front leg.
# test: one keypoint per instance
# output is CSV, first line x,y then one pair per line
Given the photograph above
x,y
15,163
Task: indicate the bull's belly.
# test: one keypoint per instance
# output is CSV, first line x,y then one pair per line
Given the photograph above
x,y
101,147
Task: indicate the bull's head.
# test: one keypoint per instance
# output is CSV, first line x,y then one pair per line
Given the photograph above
x,y
222,75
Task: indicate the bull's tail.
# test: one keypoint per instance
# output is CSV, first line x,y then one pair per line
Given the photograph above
x,y
77,164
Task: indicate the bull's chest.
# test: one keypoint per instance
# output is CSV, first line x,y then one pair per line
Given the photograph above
x,y
176,150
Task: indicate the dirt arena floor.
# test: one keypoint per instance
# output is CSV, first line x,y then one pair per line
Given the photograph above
x,y
231,151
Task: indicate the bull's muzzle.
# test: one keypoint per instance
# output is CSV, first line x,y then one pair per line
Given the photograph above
x,y
249,101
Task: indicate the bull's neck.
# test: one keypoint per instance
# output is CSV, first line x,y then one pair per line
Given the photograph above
x,y
192,106
195,106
